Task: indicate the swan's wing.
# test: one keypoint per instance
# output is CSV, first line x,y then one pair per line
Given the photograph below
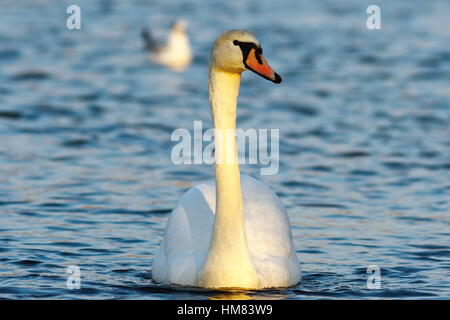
x,y
186,240
269,235
188,232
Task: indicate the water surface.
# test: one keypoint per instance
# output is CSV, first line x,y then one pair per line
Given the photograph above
x,y
86,177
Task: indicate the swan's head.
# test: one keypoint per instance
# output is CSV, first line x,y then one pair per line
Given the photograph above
x,y
239,50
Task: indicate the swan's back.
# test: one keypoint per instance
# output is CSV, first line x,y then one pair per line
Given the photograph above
x,y
185,245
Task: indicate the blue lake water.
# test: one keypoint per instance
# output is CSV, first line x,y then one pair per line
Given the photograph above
x,y
86,176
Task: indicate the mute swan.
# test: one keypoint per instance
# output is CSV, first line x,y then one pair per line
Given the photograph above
x,y
242,240
175,53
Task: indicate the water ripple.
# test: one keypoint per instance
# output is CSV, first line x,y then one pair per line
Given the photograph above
x,y
86,176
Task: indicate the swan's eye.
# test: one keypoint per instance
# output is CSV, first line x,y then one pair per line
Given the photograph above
x,y
258,57
259,50
236,42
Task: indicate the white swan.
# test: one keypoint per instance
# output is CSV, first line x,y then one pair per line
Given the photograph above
x,y
176,52
234,232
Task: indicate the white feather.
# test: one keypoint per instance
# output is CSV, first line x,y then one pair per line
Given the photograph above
x,y
244,238
188,233
175,53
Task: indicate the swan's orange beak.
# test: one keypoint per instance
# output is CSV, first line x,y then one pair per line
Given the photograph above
x,y
256,62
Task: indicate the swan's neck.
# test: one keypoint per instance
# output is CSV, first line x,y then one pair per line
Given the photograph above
x,y
228,263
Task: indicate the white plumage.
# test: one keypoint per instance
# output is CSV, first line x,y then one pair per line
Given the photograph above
x,y
188,234
175,53
232,232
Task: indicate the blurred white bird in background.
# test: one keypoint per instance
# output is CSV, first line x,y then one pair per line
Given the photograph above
x,y
175,53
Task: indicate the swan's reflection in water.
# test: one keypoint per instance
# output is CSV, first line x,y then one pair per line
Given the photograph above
x,y
221,294
239,294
